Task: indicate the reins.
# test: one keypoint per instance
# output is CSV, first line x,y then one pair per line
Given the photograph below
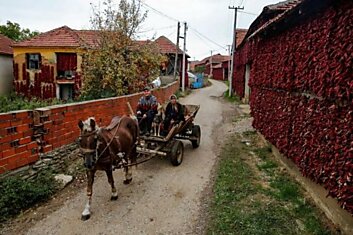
x,y
106,147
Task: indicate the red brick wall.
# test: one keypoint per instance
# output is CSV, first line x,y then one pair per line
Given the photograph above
x,y
18,147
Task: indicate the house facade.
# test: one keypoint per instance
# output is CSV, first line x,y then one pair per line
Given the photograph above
x,y
49,65
218,66
296,60
215,66
6,65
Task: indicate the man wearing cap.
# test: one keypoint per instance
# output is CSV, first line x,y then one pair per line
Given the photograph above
x,y
174,113
146,110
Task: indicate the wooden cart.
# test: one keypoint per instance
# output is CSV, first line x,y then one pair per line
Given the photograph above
x,y
171,145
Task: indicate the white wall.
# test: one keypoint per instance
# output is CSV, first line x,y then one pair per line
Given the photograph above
x,y
6,74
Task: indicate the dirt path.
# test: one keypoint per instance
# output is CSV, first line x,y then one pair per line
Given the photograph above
x,y
161,199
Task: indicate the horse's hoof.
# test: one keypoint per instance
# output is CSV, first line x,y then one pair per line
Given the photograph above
x,y
114,198
85,217
127,181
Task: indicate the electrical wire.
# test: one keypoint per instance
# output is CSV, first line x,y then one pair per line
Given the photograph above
x,y
158,12
249,13
166,27
197,32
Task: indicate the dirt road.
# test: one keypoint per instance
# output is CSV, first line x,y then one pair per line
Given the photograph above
x,y
161,199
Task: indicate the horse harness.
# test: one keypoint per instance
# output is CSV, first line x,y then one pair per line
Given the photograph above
x,y
96,133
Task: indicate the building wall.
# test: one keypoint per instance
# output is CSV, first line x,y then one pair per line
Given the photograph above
x,y
6,74
41,83
218,74
26,133
301,98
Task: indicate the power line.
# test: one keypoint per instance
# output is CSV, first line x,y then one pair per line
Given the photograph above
x,y
153,29
249,13
206,37
158,12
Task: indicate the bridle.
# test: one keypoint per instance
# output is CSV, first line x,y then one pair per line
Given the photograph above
x,y
86,150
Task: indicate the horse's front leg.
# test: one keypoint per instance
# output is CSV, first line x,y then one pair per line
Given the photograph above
x,y
128,175
109,173
86,214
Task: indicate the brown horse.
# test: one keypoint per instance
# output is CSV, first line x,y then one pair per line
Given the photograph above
x,y
106,149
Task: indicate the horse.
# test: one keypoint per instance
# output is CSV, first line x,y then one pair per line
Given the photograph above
x,y
107,149
158,120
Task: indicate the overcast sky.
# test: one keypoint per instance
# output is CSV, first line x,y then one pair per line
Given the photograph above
x,y
210,21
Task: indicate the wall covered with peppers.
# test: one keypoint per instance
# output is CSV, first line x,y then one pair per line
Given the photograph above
x,y
301,82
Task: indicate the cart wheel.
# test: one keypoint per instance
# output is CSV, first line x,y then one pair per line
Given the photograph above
x,y
196,132
177,153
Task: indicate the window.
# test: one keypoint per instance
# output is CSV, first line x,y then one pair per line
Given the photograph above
x,y
33,61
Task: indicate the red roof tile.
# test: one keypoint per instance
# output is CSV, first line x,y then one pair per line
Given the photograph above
x,y
5,45
286,6
60,37
89,37
241,35
218,58
67,37
282,6
166,46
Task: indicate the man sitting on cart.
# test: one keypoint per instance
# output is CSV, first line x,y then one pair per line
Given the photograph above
x,y
146,110
174,114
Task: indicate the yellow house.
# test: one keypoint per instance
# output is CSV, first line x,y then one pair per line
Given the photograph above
x,y
49,65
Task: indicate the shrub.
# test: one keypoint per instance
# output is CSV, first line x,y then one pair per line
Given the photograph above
x,y
17,194
17,102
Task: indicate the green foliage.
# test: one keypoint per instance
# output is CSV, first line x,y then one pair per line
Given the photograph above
x,y
14,31
200,69
119,65
17,102
17,194
232,99
250,200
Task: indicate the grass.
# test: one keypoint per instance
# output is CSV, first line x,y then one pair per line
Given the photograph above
x,y
179,93
258,199
232,99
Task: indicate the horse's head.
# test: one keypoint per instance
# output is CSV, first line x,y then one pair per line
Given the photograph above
x,y
88,141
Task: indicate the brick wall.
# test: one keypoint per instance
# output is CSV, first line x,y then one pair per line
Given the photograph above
x,y
25,134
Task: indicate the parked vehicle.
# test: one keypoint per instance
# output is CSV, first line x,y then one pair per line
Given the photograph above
x,y
192,77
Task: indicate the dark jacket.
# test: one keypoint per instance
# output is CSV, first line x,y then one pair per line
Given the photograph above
x,y
175,114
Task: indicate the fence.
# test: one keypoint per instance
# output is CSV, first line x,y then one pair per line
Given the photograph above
x,y
27,133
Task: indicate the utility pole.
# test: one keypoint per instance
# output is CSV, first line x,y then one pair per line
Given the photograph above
x,y
184,59
230,53
233,47
211,69
177,52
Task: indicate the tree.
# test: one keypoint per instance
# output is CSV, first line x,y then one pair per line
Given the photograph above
x,y
14,31
118,64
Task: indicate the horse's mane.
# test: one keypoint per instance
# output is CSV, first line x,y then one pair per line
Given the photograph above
x,y
87,124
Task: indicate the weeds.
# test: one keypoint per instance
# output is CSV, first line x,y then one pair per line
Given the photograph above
x,y
17,102
242,203
18,194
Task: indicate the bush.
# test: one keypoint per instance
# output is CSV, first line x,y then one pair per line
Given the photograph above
x,y
17,194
